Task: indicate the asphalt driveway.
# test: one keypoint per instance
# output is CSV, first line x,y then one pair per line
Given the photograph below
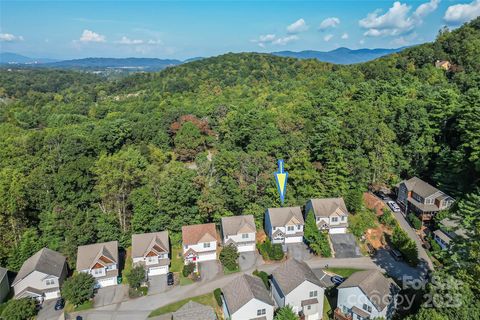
x,y
157,284
247,260
48,311
110,295
345,246
299,251
209,270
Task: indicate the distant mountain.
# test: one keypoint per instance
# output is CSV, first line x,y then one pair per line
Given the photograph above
x,y
340,55
146,64
14,58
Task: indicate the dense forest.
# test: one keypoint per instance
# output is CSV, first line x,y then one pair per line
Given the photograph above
x,y
86,159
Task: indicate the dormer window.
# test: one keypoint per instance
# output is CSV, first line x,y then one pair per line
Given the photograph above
x,y
50,282
244,235
206,244
334,219
290,228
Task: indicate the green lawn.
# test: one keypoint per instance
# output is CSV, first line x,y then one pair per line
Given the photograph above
x,y
228,271
326,309
128,265
343,272
176,265
84,306
206,299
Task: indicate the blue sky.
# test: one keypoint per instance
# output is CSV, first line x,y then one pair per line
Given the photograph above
x,y
181,29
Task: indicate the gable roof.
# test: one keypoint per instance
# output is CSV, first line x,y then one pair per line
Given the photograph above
x,y
88,255
143,243
46,261
292,273
194,310
242,289
197,233
238,224
279,217
420,187
374,285
3,273
328,206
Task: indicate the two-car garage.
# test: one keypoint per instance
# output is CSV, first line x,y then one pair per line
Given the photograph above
x,y
154,271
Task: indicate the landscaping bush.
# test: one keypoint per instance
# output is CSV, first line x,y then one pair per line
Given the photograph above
x,y
405,245
316,239
19,309
416,223
218,296
285,313
229,257
264,276
139,292
388,219
135,277
188,269
360,222
79,288
271,251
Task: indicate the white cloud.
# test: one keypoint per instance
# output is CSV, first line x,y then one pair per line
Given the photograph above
x,y
460,13
127,41
362,42
298,26
154,42
331,22
90,36
345,36
328,37
8,37
397,20
272,39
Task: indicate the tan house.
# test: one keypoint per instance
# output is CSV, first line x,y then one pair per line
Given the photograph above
x,y
284,225
443,64
239,231
330,214
101,261
151,250
41,276
199,243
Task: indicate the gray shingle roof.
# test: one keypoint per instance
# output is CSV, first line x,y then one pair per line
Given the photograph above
x,y
143,243
194,310
232,225
280,216
88,255
47,261
420,187
243,289
374,285
327,206
292,273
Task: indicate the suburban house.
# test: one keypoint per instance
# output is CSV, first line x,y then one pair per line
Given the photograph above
x,y
151,251
101,261
41,276
294,283
246,297
421,198
366,295
4,285
443,64
239,231
284,225
199,242
330,214
194,310
448,230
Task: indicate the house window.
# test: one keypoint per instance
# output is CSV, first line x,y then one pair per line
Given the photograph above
x,y
299,227
334,219
261,312
244,235
309,307
274,228
313,294
50,282
290,228
206,244
367,308
343,218
97,271
185,247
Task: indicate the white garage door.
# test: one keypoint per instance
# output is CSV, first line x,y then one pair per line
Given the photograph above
x,y
157,270
107,282
337,230
52,295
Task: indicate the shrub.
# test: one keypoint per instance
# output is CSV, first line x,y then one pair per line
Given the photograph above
x,y
135,277
360,222
188,269
264,276
19,309
229,257
285,313
405,245
79,288
316,239
276,252
387,218
218,296
416,223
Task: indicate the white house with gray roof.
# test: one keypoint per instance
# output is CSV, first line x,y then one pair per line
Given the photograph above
x,y
293,283
194,310
4,285
330,214
101,261
366,295
284,225
246,297
239,231
151,250
41,276
449,229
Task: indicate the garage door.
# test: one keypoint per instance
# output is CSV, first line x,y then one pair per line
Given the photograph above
x,y
107,282
337,230
157,270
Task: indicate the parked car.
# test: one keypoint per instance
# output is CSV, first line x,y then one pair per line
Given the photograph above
x,y
337,280
60,304
79,318
371,250
395,254
382,196
394,206
170,279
